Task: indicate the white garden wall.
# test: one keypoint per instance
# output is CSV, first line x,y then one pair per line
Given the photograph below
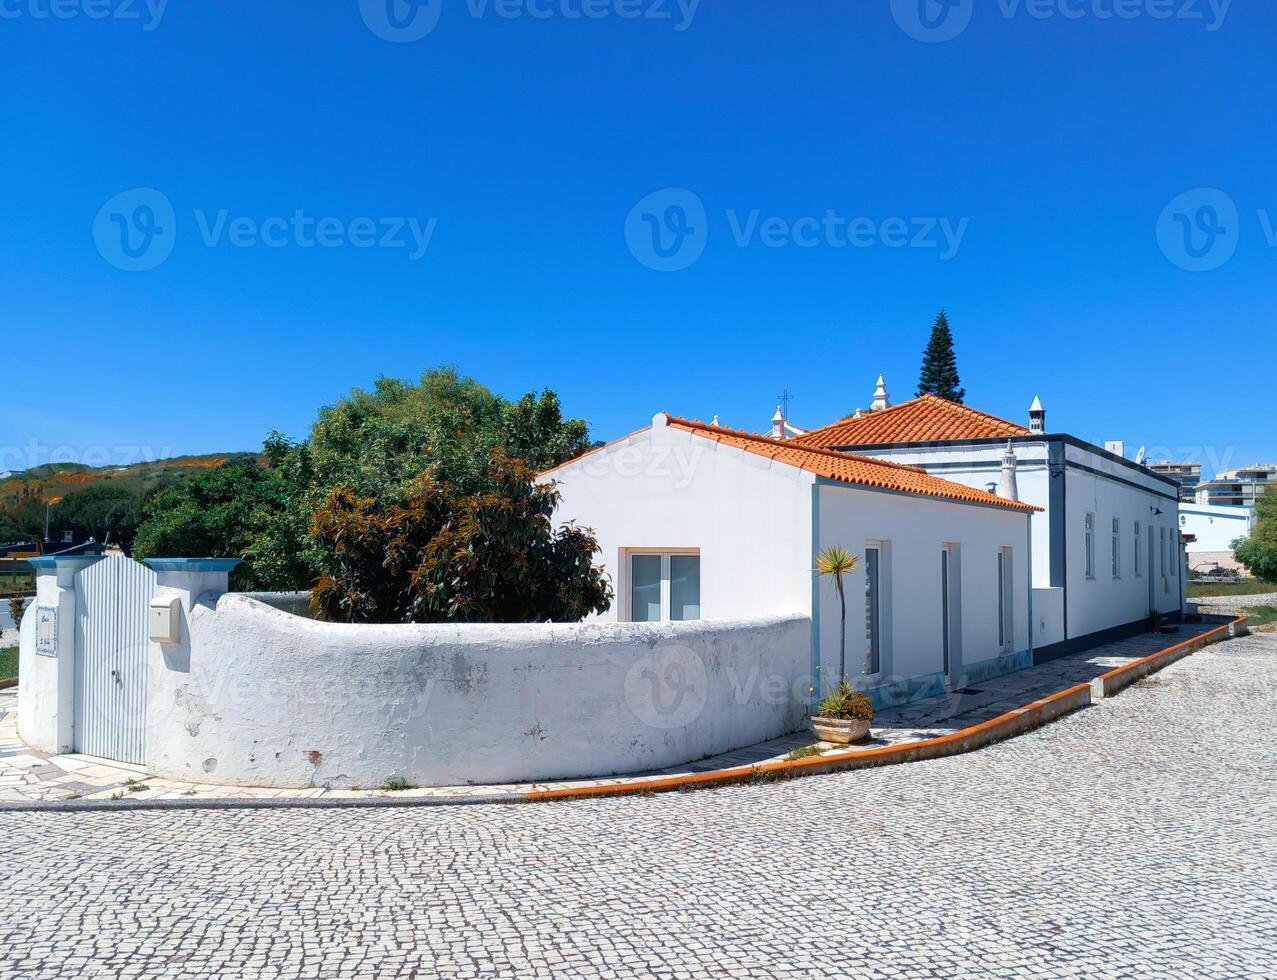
x,y
261,697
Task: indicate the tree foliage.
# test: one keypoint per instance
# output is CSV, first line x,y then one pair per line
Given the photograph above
x,y
107,512
1258,553
407,503
223,513
940,364
446,555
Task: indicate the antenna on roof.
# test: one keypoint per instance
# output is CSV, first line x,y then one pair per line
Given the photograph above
x,y
785,397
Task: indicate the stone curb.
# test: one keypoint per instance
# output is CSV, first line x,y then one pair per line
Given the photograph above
x,y
1005,726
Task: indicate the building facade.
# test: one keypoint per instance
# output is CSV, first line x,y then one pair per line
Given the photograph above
x,y
697,521
1239,487
1187,475
1106,542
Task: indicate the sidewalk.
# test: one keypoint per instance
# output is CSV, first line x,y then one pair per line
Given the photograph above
x,y
28,777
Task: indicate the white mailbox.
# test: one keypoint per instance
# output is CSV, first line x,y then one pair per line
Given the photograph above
x,y
164,619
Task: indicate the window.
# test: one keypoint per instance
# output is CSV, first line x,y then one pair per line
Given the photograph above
x,y
1090,546
1117,548
1161,547
1005,600
664,587
1173,552
873,611
1138,566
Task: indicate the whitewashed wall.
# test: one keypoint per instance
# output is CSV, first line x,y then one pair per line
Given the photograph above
x,y
915,530
1215,527
1104,602
663,487
260,697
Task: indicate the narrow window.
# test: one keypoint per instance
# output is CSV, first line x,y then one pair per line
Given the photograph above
x,y
944,604
873,609
645,588
1138,560
685,587
1161,547
1006,632
1090,546
1117,548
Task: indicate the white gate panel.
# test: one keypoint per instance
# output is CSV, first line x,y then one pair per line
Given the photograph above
x,y
111,598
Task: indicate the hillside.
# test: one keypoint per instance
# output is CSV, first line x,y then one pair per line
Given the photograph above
x,y
53,481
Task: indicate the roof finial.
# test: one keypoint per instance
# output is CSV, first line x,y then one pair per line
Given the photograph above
x,y
881,398
1037,417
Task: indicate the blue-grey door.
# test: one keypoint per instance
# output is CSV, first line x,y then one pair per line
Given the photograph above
x,y
111,646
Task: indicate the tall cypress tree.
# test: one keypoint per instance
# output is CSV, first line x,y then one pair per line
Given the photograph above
x,y
940,364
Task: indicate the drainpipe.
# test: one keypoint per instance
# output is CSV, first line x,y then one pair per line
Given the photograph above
x,y
1033,625
815,597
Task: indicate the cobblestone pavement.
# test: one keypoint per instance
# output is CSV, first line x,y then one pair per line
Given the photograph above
x,y
27,776
1136,838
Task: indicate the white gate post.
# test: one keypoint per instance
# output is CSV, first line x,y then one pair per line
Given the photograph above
x,y
46,672
188,579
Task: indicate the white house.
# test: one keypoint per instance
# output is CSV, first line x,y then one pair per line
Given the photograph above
x,y
699,521
1106,541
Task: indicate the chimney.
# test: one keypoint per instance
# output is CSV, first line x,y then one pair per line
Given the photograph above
x,y
881,398
1115,446
778,423
1007,488
1037,417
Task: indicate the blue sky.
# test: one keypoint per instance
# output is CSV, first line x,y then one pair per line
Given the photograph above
x,y
1055,143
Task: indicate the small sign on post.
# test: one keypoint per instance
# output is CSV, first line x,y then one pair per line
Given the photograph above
x,y
46,631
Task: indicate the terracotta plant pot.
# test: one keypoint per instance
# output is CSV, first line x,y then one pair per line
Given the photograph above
x,y
840,731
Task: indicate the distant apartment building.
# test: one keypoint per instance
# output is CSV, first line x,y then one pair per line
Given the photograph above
x,y
1237,488
1187,475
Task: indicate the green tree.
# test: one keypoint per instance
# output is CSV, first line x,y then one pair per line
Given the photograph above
x,y
1259,551
223,513
102,511
22,518
445,555
940,364
377,443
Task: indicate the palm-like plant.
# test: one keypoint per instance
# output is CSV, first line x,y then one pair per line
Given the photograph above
x,y
835,562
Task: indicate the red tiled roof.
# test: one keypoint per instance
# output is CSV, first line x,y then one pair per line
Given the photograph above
x,y
847,467
925,419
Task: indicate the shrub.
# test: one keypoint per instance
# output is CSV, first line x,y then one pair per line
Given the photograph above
x,y
17,605
846,703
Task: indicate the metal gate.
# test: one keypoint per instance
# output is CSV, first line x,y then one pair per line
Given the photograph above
x,y
111,598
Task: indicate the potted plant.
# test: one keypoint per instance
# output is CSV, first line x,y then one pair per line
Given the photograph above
x,y
844,716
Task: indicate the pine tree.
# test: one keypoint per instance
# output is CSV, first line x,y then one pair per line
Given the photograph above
x,y
940,364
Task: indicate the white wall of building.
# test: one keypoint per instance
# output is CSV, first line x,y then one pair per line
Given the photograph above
x,y
664,488
1215,527
751,519
261,697
1103,601
912,531
1094,483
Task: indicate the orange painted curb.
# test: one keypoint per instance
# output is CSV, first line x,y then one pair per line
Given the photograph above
x,y
1005,726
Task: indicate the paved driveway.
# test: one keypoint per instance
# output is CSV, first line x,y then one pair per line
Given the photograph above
x,y
1136,838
